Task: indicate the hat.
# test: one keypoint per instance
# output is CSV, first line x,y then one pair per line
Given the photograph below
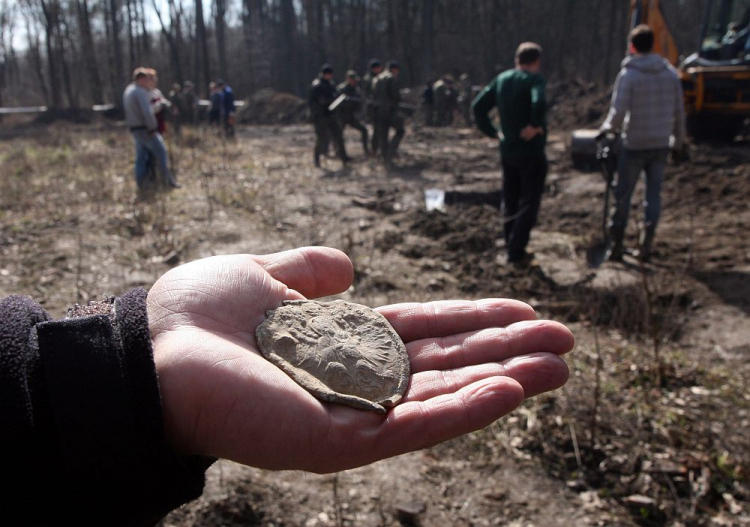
x,y
374,63
220,82
326,68
352,74
394,65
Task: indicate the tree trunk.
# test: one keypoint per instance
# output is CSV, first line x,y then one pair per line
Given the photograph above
x,y
36,60
612,37
426,42
117,77
89,53
594,54
201,51
362,31
171,41
63,35
145,40
288,40
221,45
131,37
50,13
565,37
320,33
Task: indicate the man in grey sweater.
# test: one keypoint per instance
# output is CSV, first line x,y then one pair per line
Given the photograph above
x,y
648,108
140,119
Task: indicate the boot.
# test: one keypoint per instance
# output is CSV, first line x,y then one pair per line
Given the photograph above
x,y
645,242
616,250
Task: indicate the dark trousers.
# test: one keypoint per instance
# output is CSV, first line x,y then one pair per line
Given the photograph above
x,y
351,120
523,186
382,127
327,129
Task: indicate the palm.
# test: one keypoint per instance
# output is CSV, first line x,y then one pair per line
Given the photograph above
x,y
222,398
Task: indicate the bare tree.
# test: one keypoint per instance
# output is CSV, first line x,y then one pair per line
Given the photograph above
x,y
201,50
89,52
283,42
5,28
220,9
118,83
50,11
287,44
171,34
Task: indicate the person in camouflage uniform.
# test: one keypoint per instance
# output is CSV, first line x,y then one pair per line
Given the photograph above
x,y
191,102
368,90
445,100
387,99
177,110
349,110
322,94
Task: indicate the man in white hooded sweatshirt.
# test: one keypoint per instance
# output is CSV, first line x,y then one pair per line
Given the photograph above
x,y
647,107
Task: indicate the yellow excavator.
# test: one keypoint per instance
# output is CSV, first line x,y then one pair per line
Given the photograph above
x,y
716,78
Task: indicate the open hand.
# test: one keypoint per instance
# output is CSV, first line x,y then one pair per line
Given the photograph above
x,y
471,362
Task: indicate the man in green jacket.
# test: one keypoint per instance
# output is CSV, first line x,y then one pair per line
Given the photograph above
x,y
518,95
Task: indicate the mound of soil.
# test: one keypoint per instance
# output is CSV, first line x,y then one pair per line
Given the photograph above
x,y
577,104
272,107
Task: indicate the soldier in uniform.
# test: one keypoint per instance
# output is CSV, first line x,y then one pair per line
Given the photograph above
x,y
191,102
348,110
177,110
368,90
322,94
445,100
387,99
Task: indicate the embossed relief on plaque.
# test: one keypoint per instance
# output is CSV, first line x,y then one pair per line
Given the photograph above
x,y
339,351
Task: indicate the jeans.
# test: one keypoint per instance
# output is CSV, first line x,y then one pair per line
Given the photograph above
x,y
150,148
630,166
523,186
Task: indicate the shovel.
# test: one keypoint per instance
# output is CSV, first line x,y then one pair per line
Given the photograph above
x,y
599,251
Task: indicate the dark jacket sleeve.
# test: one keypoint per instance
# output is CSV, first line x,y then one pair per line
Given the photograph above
x,y
81,430
482,106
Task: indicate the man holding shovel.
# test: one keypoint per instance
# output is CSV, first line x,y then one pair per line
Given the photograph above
x,y
648,107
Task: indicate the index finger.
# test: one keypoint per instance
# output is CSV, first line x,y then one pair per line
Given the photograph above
x,y
414,321
311,271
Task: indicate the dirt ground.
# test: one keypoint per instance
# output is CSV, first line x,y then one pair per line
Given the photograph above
x,y
652,428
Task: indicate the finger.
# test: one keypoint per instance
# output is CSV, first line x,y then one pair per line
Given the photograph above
x,y
489,345
439,319
312,271
536,373
422,424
